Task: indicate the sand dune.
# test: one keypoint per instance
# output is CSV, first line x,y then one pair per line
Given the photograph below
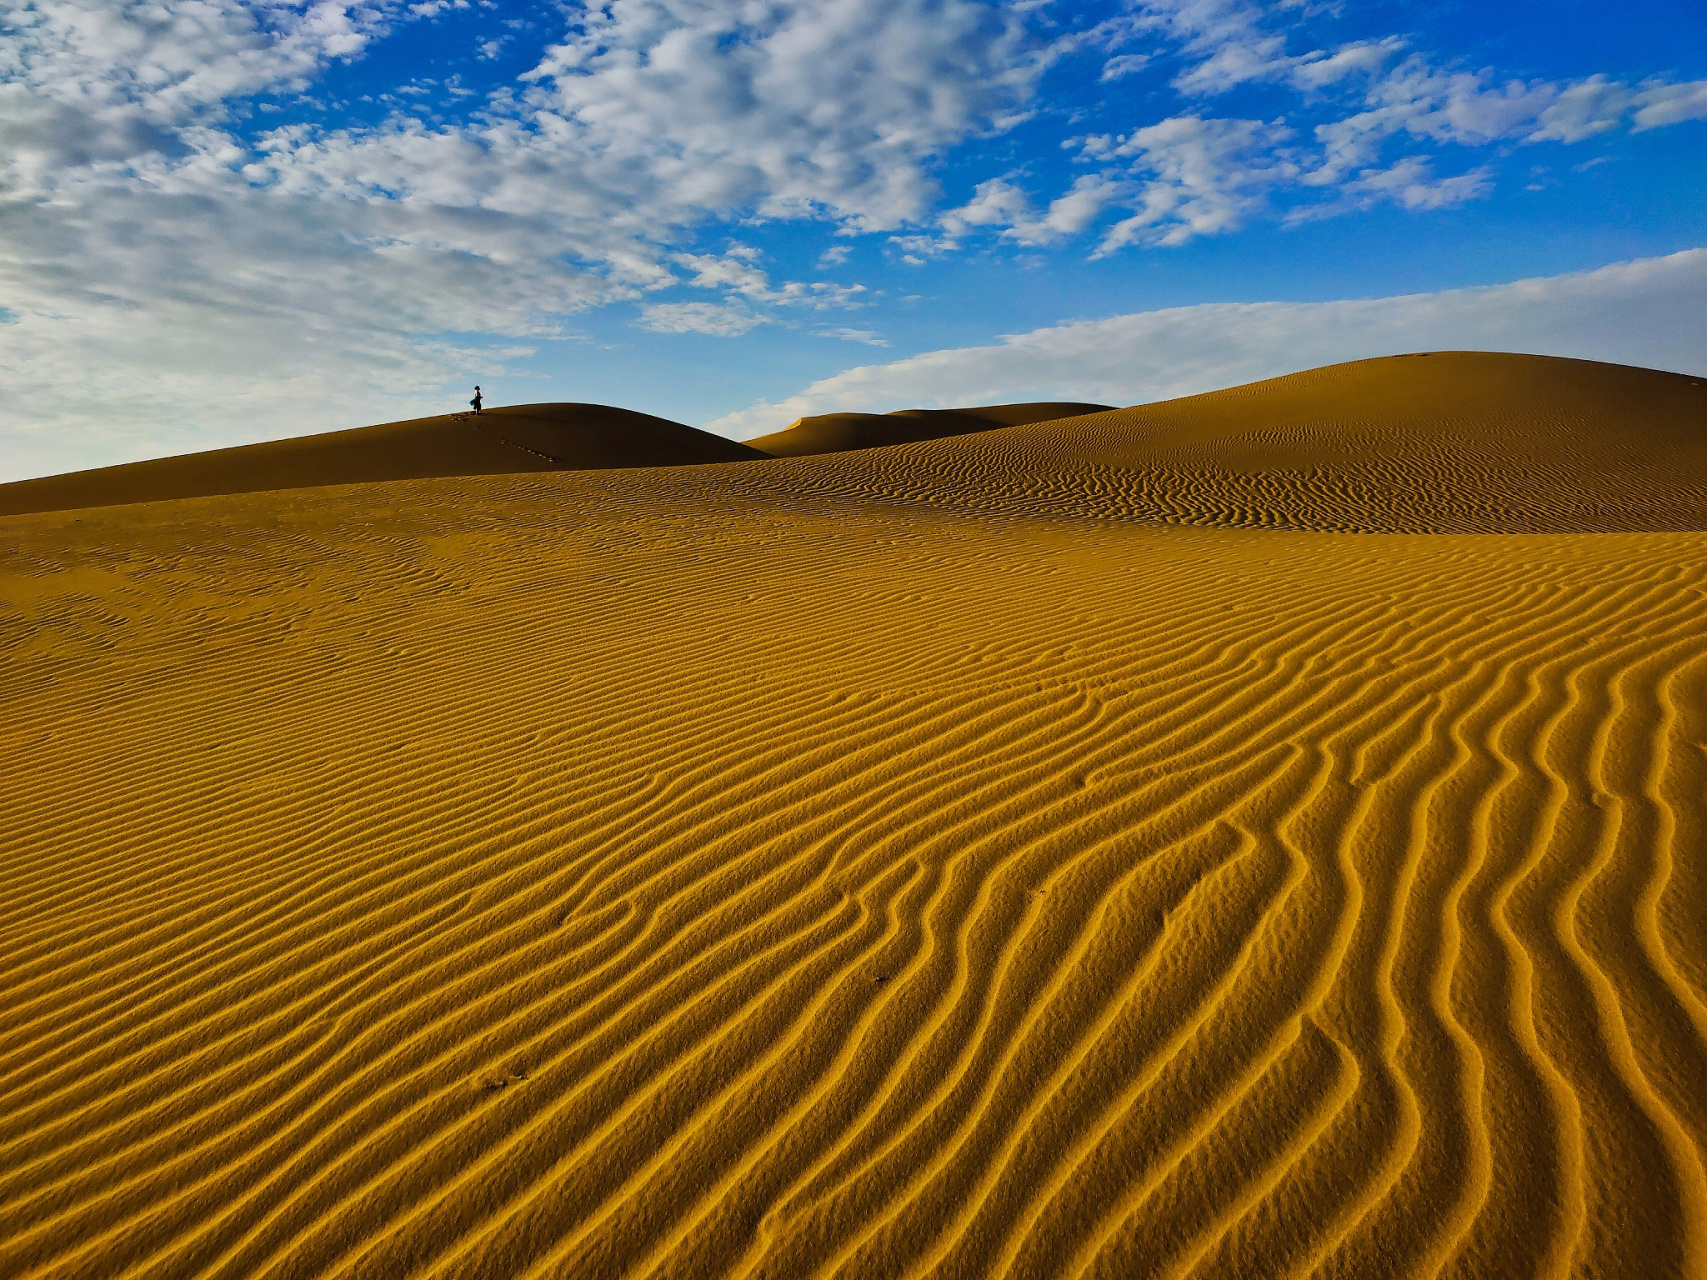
x,y
529,437
837,432
1465,442
970,858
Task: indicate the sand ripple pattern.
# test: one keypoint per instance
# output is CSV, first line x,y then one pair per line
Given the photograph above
x,y
1454,442
654,874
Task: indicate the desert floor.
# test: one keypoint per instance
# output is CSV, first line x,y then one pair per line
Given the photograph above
x,y
1259,836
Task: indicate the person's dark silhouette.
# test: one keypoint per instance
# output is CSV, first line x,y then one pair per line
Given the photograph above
x,y
476,401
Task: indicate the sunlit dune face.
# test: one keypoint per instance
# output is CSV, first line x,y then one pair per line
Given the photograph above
x,y
1252,835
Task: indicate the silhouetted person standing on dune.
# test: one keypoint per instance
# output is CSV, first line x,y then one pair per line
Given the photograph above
x,y
476,401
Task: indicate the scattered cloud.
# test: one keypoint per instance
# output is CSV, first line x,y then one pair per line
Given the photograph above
x,y
718,320
1001,204
1593,106
1124,64
996,203
1319,69
1226,40
1409,183
1196,174
1651,312
1659,105
1071,213
1201,177
868,336
789,107
737,270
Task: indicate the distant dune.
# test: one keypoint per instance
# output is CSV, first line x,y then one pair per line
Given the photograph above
x,y
836,432
1263,834
1465,442
530,437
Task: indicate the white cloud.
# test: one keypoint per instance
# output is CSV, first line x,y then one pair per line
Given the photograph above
x,y
737,270
1468,109
1651,312
1071,213
1409,183
1213,175
868,336
788,107
1205,177
1226,37
1665,104
1319,69
650,117
1124,64
91,83
1234,63
1593,106
996,202
1458,106
999,203
1232,45
720,321
1208,176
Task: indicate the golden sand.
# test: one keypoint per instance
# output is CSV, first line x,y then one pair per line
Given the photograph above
x,y
1070,850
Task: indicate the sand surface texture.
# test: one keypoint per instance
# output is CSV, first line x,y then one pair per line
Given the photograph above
x,y
534,437
1101,848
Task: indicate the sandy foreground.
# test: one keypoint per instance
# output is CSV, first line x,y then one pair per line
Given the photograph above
x,y
1259,836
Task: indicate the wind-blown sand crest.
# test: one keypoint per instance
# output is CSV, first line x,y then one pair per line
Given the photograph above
x,y
1096,848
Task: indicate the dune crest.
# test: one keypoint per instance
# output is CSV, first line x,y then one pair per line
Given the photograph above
x,y
839,432
502,440
972,857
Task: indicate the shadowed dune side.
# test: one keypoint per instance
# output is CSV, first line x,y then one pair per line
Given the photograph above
x,y
514,438
1453,442
838,432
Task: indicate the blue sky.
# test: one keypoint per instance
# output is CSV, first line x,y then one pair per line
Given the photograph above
x,y
223,222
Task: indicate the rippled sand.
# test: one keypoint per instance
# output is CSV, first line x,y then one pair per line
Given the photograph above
x,y
1262,835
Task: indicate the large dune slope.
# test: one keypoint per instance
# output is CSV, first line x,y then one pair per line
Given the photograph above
x,y
529,437
838,866
1448,442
